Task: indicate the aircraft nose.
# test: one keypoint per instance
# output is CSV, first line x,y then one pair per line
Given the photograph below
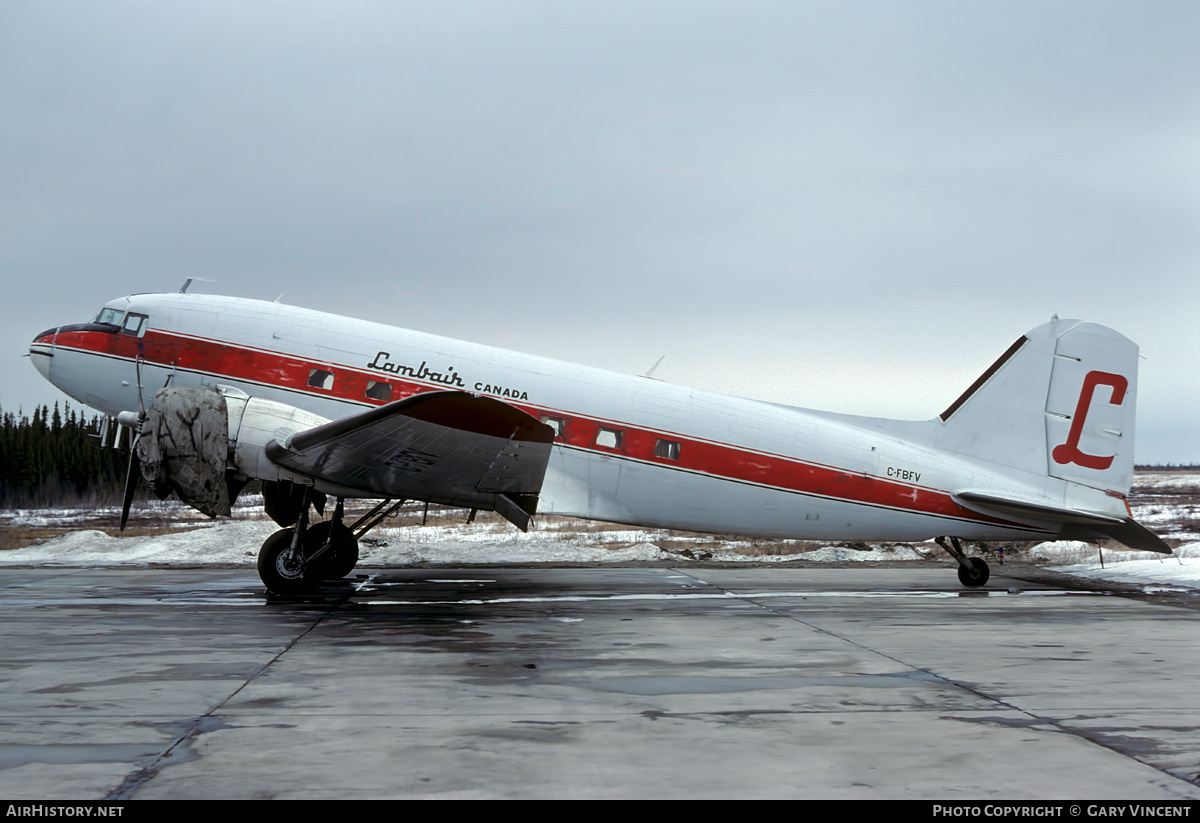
x,y
41,362
41,352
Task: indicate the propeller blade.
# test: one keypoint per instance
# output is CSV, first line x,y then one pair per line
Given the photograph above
x,y
137,365
131,479
135,468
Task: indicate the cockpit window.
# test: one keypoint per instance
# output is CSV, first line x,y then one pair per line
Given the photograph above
x,y
112,316
134,324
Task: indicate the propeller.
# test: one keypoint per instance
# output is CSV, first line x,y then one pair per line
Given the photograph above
x,y
135,468
181,445
130,487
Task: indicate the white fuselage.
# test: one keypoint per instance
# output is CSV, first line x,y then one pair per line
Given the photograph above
x,y
631,449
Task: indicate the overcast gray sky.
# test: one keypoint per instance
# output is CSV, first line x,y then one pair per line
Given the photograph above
x,y
854,206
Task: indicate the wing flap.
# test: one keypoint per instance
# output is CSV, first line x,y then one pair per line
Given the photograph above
x,y
445,447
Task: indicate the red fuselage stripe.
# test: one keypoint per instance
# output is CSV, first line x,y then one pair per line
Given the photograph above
x,y
223,359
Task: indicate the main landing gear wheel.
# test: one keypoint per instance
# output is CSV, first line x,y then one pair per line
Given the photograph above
x,y
972,571
279,570
976,576
341,557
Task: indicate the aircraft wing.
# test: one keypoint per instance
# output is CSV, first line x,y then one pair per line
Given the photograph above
x,y
445,447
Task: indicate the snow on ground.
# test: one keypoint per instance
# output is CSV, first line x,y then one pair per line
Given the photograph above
x,y
1164,501
234,542
1155,572
1168,503
1180,480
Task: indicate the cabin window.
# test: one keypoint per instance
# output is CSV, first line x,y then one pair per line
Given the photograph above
x,y
557,423
134,324
110,316
666,448
609,438
320,379
378,390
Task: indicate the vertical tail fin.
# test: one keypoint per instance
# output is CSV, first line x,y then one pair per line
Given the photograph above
x,y
1060,402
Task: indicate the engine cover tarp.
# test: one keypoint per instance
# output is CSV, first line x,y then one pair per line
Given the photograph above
x,y
184,446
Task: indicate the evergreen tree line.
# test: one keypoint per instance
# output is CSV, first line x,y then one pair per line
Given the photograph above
x,y
55,459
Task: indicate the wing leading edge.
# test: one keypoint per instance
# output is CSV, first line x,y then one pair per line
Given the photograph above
x,y
447,447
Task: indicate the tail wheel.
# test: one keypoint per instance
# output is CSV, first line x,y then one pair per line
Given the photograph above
x,y
342,556
280,572
976,576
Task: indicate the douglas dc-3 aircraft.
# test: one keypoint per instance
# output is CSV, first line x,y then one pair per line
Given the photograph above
x,y
221,390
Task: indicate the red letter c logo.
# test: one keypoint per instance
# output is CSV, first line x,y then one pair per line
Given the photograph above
x,y
1069,452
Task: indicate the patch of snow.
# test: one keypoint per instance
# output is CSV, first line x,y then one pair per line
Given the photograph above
x,y
225,542
236,542
1155,572
1174,572
1179,481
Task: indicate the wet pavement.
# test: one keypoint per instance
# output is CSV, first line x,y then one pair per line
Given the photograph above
x,y
592,682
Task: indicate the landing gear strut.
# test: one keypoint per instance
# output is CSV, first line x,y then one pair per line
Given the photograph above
x,y
973,572
296,560
282,564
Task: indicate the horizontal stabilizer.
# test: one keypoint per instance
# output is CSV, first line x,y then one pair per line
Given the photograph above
x,y
1027,509
1074,524
1130,533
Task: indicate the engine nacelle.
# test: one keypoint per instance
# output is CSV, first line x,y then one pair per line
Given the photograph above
x,y
203,444
253,423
